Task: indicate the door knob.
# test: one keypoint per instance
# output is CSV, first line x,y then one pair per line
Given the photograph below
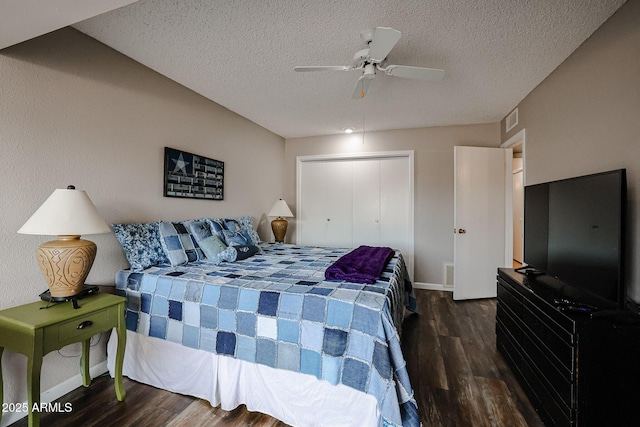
x,y
461,231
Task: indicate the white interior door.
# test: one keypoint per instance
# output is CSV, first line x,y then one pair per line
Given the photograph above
x,y
482,210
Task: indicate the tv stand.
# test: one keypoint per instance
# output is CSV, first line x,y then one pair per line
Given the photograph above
x,y
578,368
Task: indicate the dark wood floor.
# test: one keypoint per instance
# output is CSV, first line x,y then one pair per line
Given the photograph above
x,y
459,379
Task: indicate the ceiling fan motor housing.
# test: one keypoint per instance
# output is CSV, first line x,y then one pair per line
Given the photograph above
x,y
369,71
360,58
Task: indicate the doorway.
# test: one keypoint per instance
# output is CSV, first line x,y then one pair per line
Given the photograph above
x,y
517,144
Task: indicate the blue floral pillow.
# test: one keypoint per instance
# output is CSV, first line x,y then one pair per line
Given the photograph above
x,y
236,253
229,255
246,223
141,244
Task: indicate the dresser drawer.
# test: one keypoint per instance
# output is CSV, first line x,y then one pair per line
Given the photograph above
x,y
549,337
509,296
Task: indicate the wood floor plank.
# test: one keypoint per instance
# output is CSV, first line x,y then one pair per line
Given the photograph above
x,y
459,380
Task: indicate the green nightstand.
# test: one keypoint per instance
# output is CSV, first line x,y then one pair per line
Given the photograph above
x,y
34,332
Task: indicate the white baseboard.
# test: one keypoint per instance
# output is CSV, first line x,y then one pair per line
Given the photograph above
x,y
56,392
432,287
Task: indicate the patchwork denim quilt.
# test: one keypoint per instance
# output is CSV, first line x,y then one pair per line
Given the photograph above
x,y
277,309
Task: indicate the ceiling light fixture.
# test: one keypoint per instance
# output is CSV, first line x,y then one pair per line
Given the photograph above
x,y
348,130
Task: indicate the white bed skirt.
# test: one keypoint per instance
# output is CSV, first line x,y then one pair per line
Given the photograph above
x,y
294,398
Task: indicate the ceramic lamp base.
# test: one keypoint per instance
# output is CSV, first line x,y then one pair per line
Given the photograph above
x,y
279,227
65,264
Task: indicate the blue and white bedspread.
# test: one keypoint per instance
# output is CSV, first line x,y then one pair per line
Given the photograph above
x,y
276,309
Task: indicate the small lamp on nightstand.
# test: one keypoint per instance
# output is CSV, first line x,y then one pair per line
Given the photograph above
x,y
279,225
65,263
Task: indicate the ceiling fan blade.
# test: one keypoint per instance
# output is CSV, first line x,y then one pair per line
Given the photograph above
x,y
305,68
384,39
360,91
420,73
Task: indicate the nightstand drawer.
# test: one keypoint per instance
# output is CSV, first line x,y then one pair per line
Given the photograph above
x,y
83,327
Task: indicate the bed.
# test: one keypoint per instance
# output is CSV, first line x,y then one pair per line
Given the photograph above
x,y
270,332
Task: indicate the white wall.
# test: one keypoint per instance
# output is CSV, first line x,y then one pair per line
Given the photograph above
x,y
584,118
73,111
433,181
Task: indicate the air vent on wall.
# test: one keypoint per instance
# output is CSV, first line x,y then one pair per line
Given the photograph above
x,y
511,121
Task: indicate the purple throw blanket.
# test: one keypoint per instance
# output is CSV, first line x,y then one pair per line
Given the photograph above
x,y
361,265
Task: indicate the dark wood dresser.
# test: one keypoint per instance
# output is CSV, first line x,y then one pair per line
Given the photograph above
x,y
576,370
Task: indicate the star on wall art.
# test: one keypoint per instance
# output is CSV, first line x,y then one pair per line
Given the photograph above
x,y
181,165
192,176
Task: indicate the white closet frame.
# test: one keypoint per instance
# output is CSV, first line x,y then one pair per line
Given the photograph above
x,y
409,154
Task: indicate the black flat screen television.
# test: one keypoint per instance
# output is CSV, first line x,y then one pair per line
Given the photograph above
x,y
574,231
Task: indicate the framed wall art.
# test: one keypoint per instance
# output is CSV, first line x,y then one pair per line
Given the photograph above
x,y
192,176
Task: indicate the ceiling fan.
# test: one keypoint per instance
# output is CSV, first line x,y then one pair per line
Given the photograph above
x,y
374,58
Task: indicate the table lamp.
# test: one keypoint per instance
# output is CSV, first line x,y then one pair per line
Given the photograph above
x,y
279,225
65,263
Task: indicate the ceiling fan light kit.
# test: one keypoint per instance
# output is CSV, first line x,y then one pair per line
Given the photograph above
x,y
380,40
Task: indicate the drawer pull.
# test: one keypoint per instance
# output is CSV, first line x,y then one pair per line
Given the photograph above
x,y
84,324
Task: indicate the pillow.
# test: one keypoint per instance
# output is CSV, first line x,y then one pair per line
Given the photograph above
x,y
246,224
216,225
244,252
231,224
178,243
141,244
236,253
210,244
236,238
230,254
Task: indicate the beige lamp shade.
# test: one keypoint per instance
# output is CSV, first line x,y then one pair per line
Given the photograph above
x,y
279,225
66,212
280,209
65,263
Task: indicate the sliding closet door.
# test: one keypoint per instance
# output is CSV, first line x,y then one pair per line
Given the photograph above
x,y
339,204
326,204
366,202
381,200
348,202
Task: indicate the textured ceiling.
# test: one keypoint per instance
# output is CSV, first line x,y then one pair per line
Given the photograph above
x,y
241,54
22,20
